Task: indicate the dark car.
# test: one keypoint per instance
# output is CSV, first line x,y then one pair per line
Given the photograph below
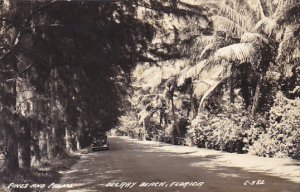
x,y
100,143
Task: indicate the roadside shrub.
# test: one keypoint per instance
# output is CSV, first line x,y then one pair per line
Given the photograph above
x,y
224,132
227,134
200,130
273,134
282,137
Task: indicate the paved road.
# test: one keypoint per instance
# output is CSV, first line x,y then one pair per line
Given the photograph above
x,y
128,162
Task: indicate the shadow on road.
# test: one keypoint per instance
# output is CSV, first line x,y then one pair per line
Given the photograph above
x,y
129,162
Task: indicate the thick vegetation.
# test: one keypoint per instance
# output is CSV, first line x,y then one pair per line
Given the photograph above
x,y
225,76
64,71
220,74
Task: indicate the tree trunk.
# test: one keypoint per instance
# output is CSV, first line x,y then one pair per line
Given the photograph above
x,y
12,117
231,91
36,157
68,139
175,126
144,129
78,146
245,85
50,143
43,143
193,106
232,83
257,96
261,72
12,160
53,140
9,122
25,145
9,32
245,92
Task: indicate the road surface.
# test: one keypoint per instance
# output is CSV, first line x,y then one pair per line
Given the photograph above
x,y
138,168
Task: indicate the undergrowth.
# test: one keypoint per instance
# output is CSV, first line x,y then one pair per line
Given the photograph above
x,y
46,172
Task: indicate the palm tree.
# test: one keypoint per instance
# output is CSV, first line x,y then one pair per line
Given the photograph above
x,y
260,40
157,83
156,88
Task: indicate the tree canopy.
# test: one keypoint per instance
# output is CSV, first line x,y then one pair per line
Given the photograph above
x,y
219,74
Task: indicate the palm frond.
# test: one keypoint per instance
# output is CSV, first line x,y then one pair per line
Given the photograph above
x,y
173,67
201,42
181,64
208,78
291,29
212,77
274,5
213,71
255,38
209,91
199,45
287,50
241,52
230,27
262,8
296,53
190,72
280,33
250,9
232,14
287,10
144,114
183,75
267,26
200,88
209,49
204,3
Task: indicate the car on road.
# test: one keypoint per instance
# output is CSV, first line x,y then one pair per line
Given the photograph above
x,y
100,143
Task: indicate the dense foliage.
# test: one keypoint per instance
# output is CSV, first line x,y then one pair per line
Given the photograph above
x,y
221,74
64,73
282,137
228,78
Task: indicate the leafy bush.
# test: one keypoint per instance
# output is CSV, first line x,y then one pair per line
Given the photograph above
x,y
227,133
223,131
282,137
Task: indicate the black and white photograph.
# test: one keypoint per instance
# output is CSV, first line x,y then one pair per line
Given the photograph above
x,y
149,95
